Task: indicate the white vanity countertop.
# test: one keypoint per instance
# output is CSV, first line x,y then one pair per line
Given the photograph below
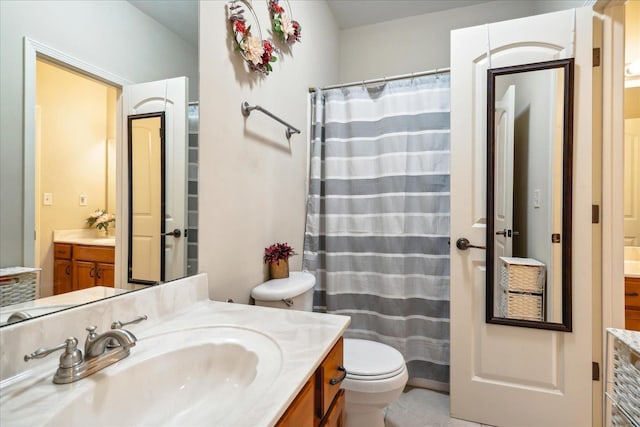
x,y
83,237
303,338
46,305
632,261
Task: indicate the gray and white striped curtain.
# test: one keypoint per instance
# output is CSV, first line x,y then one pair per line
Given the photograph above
x,y
378,217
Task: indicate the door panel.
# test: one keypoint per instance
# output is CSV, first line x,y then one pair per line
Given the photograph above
x,y
168,96
505,375
146,176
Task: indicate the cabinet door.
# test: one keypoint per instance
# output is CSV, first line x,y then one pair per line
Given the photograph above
x,y
300,412
329,376
85,274
335,416
61,276
104,274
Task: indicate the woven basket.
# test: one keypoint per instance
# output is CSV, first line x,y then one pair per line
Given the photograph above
x,y
515,305
18,288
522,274
626,380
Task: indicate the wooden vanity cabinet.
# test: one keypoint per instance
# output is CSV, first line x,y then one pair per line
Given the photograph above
x,y
320,403
82,266
632,303
62,268
93,266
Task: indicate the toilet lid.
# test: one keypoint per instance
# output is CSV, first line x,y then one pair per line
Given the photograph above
x,y
369,360
296,284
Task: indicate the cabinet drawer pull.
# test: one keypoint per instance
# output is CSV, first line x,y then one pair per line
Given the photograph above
x,y
334,381
91,272
631,294
67,270
98,273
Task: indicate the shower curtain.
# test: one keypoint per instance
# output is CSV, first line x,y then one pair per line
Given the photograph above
x,y
377,226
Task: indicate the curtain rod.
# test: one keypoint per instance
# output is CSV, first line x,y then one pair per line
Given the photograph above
x,y
384,79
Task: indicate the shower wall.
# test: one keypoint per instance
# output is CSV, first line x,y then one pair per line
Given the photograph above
x,y
192,189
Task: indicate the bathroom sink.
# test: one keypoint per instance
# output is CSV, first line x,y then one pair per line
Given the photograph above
x,y
200,376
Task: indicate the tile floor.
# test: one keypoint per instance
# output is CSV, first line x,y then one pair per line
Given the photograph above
x,y
418,407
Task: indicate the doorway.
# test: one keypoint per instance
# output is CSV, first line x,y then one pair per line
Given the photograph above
x,y
632,166
75,155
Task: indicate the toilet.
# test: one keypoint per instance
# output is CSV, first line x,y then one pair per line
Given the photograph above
x,y
376,372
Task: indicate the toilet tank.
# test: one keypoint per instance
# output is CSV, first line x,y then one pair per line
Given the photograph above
x,y
294,292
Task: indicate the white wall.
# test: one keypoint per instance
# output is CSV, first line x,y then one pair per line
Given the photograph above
x,y
112,35
422,42
252,180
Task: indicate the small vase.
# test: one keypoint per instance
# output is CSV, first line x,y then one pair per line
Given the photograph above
x,y
279,270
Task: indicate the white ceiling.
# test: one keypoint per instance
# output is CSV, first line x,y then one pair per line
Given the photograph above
x,y
181,16
355,13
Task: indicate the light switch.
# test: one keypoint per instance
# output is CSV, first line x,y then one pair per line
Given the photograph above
x,y
47,199
83,199
536,198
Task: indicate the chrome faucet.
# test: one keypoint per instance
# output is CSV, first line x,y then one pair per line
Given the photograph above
x,y
74,367
95,345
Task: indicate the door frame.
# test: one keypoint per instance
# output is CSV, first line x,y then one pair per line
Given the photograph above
x,y
32,50
608,133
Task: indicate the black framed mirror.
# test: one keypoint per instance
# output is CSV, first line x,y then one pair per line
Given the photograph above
x,y
147,181
529,194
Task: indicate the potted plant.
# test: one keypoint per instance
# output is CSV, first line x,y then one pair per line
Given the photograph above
x,y
277,256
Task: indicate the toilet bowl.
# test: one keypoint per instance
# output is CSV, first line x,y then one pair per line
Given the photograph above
x,y
376,372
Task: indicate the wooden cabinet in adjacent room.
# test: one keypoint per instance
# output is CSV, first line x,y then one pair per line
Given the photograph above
x,y
62,268
632,303
321,401
82,266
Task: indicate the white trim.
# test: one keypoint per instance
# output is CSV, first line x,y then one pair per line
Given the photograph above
x,y
79,64
612,191
33,49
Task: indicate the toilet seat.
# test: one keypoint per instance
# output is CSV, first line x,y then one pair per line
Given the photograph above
x,y
371,361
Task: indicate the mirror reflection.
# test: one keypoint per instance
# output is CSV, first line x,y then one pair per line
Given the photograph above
x,y
74,263
146,191
529,197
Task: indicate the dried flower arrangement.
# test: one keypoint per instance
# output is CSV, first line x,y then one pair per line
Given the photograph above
x,y
101,219
288,29
256,52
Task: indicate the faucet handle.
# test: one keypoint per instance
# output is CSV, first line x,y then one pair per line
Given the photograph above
x,y
71,356
118,324
112,343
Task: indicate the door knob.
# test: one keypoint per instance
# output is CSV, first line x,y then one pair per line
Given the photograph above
x,y
463,244
175,233
502,233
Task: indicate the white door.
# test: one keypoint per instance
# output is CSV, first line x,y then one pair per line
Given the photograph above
x,y
503,218
146,200
506,375
168,96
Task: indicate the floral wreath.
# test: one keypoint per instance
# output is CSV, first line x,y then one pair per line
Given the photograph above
x,y
258,53
288,29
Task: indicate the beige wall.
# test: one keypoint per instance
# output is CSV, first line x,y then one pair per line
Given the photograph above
x,y
252,180
75,116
